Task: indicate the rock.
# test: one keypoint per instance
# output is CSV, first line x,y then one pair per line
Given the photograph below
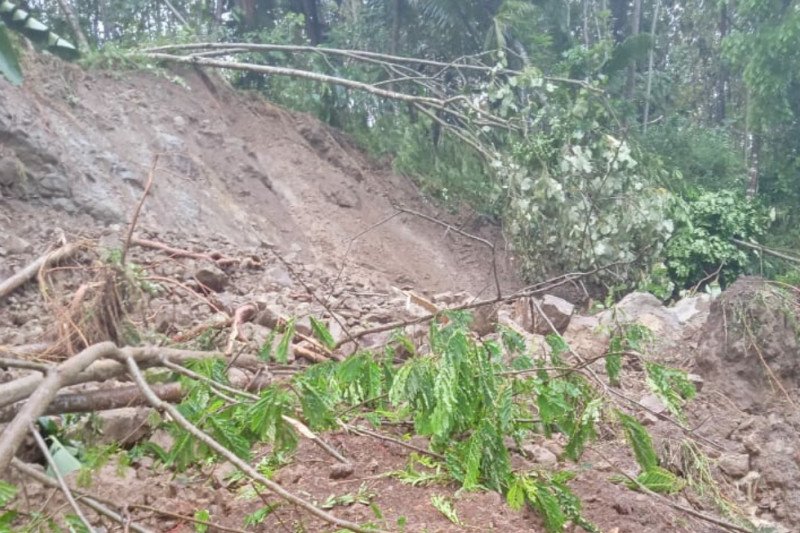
x,y
54,185
124,426
15,245
696,380
163,439
540,454
645,309
652,402
688,308
587,337
211,276
484,320
340,471
735,464
558,311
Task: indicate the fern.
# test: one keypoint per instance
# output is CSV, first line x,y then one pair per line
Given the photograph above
x,y
322,333
671,385
659,480
282,352
7,493
445,506
639,440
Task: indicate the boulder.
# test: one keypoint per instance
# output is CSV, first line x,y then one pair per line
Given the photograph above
x,y
211,276
735,464
555,310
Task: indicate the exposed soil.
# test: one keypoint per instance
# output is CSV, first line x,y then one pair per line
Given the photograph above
x,y
242,177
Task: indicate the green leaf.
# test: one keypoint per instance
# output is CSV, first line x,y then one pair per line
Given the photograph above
x,y
282,353
9,63
75,524
613,368
640,441
63,458
322,333
7,493
659,480
445,506
204,516
261,514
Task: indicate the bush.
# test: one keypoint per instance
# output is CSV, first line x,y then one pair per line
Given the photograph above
x,y
703,241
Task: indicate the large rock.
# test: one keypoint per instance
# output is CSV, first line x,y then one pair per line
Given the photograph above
x,y
645,309
555,311
211,276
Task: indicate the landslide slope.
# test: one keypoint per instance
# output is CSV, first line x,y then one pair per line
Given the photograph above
x,y
76,147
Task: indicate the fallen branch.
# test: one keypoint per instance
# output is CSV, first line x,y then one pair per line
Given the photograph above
x,y
240,316
663,499
146,357
90,501
43,394
61,483
99,400
214,257
251,472
135,217
768,251
367,433
31,270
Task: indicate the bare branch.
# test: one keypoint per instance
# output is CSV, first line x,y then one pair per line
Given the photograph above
x,y
251,472
91,501
30,271
62,484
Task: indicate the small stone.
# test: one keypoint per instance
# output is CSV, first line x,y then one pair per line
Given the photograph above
x,y
540,454
735,464
341,471
696,380
211,276
653,403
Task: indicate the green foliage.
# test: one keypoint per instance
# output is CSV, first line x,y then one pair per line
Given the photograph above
x,y
705,227
640,441
653,476
322,333
445,506
698,156
282,352
259,515
671,385
202,515
551,498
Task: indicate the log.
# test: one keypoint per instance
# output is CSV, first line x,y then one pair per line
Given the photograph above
x,y
29,272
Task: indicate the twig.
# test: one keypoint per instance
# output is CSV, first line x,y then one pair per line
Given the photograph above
x,y
768,251
32,269
62,484
21,363
211,525
135,218
454,229
240,316
91,501
178,418
307,433
214,257
688,510
367,433
311,293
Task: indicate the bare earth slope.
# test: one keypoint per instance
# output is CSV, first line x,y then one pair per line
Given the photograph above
x,y
232,168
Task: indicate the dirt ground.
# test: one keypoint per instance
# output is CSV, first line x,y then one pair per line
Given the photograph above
x,y
242,177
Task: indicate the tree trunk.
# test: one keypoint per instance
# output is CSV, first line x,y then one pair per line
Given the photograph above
x,y
619,15
313,26
394,45
636,18
69,14
722,76
650,59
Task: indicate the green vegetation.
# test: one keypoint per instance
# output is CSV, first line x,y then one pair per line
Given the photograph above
x,y
621,133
